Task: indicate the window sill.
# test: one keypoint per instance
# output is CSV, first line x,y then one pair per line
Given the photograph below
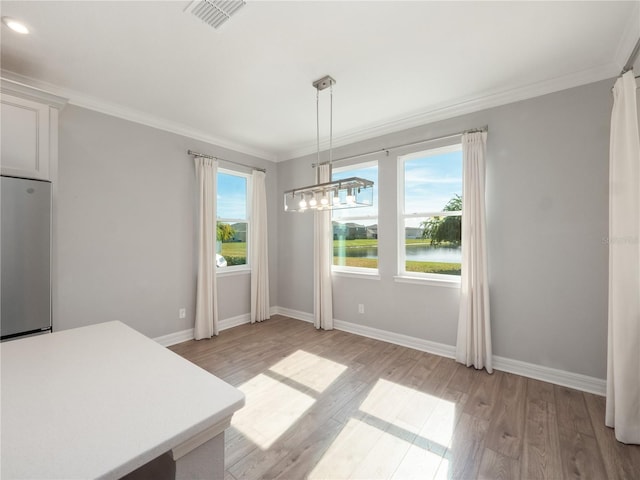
x,y
230,272
374,275
434,282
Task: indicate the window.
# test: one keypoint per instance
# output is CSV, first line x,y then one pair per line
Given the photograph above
x,y
430,213
233,219
355,230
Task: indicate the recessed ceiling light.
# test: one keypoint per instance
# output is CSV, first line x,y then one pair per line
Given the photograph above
x,y
15,25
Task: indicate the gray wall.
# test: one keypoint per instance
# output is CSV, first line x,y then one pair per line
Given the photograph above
x,y
547,201
126,245
125,226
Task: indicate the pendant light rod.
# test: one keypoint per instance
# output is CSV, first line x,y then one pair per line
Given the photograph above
x,y
331,121
322,83
350,192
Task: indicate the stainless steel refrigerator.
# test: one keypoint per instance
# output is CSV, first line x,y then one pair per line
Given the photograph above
x,y
26,257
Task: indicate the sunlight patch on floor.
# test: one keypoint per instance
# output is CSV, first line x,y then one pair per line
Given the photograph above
x,y
349,452
419,464
308,369
410,410
271,408
398,432
438,429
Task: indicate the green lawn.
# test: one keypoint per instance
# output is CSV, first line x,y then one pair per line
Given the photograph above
x,y
422,267
234,252
360,242
237,252
234,249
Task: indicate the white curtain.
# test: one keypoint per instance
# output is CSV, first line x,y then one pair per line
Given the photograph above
x,y
474,327
322,260
206,324
259,250
623,359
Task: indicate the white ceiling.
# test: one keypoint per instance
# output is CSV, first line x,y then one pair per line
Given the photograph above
x,y
247,85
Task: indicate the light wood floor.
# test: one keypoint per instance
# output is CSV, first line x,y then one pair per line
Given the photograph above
x,y
333,405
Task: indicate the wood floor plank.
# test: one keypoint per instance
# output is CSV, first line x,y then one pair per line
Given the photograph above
x,y
485,395
539,390
298,433
439,377
580,456
620,461
541,449
301,461
390,367
464,378
495,466
418,464
329,404
572,411
462,460
506,434
385,455
347,451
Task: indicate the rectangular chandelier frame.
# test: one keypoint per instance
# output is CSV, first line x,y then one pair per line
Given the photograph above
x,y
350,192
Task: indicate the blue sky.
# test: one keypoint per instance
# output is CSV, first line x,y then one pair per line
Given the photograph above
x,y
232,196
431,181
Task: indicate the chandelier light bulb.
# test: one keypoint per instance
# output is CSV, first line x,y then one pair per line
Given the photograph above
x,y
351,199
303,203
324,201
313,202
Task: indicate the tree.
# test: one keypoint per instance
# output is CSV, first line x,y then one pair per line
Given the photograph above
x,y
225,232
445,229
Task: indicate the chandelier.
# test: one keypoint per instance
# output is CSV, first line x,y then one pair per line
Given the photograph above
x,y
350,192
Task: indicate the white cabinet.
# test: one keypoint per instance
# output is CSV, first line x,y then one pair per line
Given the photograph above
x,y
29,131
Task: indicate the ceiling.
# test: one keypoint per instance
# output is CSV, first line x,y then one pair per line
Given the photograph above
x,y
247,85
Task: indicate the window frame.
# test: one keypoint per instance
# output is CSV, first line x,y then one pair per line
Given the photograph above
x,y
344,270
245,268
404,276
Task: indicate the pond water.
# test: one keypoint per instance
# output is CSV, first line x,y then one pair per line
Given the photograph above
x,y
414,252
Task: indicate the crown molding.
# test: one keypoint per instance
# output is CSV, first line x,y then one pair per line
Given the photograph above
x,y
443,111
12,87
116,110
463,106
628,39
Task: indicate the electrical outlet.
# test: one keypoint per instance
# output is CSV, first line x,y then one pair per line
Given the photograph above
x,y
182,313
361,308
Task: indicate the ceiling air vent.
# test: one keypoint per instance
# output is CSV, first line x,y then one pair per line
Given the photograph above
x,y
215,12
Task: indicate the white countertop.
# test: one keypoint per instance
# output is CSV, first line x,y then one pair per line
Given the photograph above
x,y
100,401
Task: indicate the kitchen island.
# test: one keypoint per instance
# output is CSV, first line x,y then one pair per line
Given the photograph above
x,y
102,401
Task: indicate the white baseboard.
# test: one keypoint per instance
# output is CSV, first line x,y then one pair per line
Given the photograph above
x,y
403,340
185,335
530,370
297,314
174,338
234,321
578,381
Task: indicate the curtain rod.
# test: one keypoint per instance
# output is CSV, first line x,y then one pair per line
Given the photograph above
x,y
388,149
196,154
632,58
